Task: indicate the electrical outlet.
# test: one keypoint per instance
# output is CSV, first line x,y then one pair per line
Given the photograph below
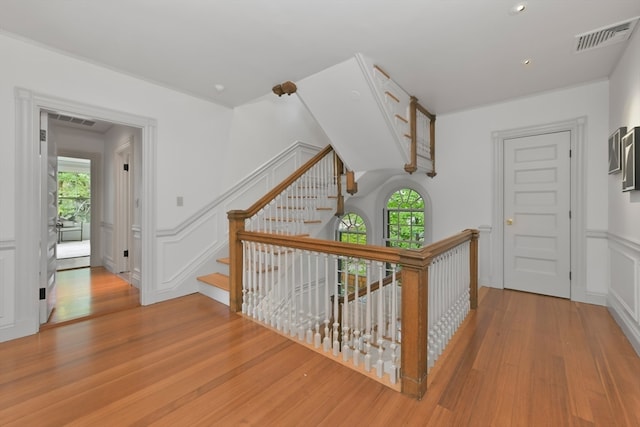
x,y
179,201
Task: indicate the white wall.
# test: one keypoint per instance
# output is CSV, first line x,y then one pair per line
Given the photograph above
x,y
624,208
462,192
264,127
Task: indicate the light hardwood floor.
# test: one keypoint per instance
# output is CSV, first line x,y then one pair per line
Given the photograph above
x,y
520,360
90,292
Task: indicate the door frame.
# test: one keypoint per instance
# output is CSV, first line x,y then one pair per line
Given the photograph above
x,y
27,210
577,129
124,204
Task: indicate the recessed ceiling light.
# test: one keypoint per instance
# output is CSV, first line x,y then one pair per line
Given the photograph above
x,y
219,87
518,8
526,61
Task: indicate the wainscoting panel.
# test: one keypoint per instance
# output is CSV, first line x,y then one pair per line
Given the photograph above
x,y
191,248
624,260
7,289
200,239
596,269
624,291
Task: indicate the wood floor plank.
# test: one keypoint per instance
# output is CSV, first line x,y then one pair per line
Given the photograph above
x,y
520,359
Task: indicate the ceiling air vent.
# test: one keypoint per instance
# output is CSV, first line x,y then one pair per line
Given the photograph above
x,y
76,120
605,36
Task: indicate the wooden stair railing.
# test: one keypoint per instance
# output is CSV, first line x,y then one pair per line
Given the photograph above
x,y
417,115
238,218
415,288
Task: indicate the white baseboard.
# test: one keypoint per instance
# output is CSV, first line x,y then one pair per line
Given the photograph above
x,y
629,327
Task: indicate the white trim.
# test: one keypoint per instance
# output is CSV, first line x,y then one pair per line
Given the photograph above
x,y
596,234
627,324
7,245
250,180
576,127
28,106
485,255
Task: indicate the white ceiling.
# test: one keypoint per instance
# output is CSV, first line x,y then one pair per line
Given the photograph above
x,y
451,54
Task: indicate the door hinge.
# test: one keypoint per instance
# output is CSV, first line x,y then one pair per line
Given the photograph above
x,y
570,153
569,275
126,167
126,253
569,214
43,293
43,135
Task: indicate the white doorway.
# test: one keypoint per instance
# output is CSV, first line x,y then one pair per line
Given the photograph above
x,y
29,104
533,239
537,223
75,209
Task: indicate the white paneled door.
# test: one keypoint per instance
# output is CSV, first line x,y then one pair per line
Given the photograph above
x,y
537,224
49,216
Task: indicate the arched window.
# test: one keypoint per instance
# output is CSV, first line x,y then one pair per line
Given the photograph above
x,y
351,229
404,220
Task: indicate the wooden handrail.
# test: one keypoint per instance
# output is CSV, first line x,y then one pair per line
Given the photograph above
x,y
264,200
371,252
441,246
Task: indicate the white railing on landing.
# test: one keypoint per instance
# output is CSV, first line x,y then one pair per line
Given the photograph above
x,y
302,294
449,300
359,303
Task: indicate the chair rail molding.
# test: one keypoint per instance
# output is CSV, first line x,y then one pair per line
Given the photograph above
x,y
206,231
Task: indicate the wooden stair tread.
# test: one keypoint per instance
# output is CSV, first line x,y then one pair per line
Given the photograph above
x,y
226,260
218,280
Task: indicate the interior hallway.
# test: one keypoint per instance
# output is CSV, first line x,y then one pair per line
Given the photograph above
x,y
90,292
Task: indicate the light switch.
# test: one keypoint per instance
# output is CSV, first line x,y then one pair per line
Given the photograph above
x,y
179,201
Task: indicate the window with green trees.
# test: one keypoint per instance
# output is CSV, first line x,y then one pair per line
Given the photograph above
x,y
404,219
351,229
74,196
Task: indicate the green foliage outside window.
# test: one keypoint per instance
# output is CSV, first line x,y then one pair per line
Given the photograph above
x,y
74,196
351,229
405,219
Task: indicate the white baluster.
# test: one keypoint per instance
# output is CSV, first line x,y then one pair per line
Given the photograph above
x,y
301,307
381,321
326,342
394,316
336,298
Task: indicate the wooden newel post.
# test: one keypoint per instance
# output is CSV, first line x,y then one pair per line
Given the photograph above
x,y
473,269
236,224
415,291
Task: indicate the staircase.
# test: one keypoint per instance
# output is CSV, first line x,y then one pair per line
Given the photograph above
x,y
378,125
301,206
